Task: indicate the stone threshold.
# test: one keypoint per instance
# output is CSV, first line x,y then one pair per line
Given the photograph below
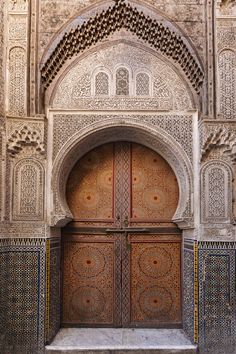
x,y
120,341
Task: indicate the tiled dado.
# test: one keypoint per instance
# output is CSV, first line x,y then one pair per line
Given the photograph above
x,y
53,257
22,284
217,323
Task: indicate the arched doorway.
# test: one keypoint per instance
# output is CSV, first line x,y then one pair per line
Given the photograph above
x,y
121,252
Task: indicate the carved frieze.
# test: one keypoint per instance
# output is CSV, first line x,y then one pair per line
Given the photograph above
x,y
177,126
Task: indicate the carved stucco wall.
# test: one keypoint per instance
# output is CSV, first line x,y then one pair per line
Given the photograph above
x,y
26,142
216,191
77,89
54,14
17,35
2,85
25,170
226,59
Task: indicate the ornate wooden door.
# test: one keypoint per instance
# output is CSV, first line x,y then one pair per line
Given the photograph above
x,y
121,253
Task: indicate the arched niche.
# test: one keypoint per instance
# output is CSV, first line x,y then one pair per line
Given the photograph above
x,y
216,192
103,132
28,190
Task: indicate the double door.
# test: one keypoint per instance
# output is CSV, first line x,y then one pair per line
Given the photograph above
x,y
121,253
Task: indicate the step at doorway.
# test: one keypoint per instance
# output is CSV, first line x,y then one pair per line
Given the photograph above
x,y
120,341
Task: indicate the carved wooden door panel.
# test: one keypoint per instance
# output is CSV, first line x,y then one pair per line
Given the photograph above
x,y
121,254
152,280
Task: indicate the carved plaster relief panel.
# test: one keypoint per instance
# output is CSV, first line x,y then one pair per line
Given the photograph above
x,y
227,76
210,102
216,193
18,5
17,81
226,45
28,190
152,84
17,57
177,126
2,59
218,141
227,7
21,134
226,35
25,168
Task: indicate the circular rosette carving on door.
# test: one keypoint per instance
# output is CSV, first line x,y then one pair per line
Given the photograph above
x,y
87,303
155,262
91,160
89,198
88,262
155,302
155,198
105,179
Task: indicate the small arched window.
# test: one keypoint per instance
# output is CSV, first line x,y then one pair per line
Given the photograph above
x,y
122,82
101,84
142,84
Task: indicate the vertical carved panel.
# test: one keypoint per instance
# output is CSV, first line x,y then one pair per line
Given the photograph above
x,y
227,84
142,84
122,182
2,44
17,57
28,184
17,81
216,193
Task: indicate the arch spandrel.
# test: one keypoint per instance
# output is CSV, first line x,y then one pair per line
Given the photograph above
x,y
104,132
